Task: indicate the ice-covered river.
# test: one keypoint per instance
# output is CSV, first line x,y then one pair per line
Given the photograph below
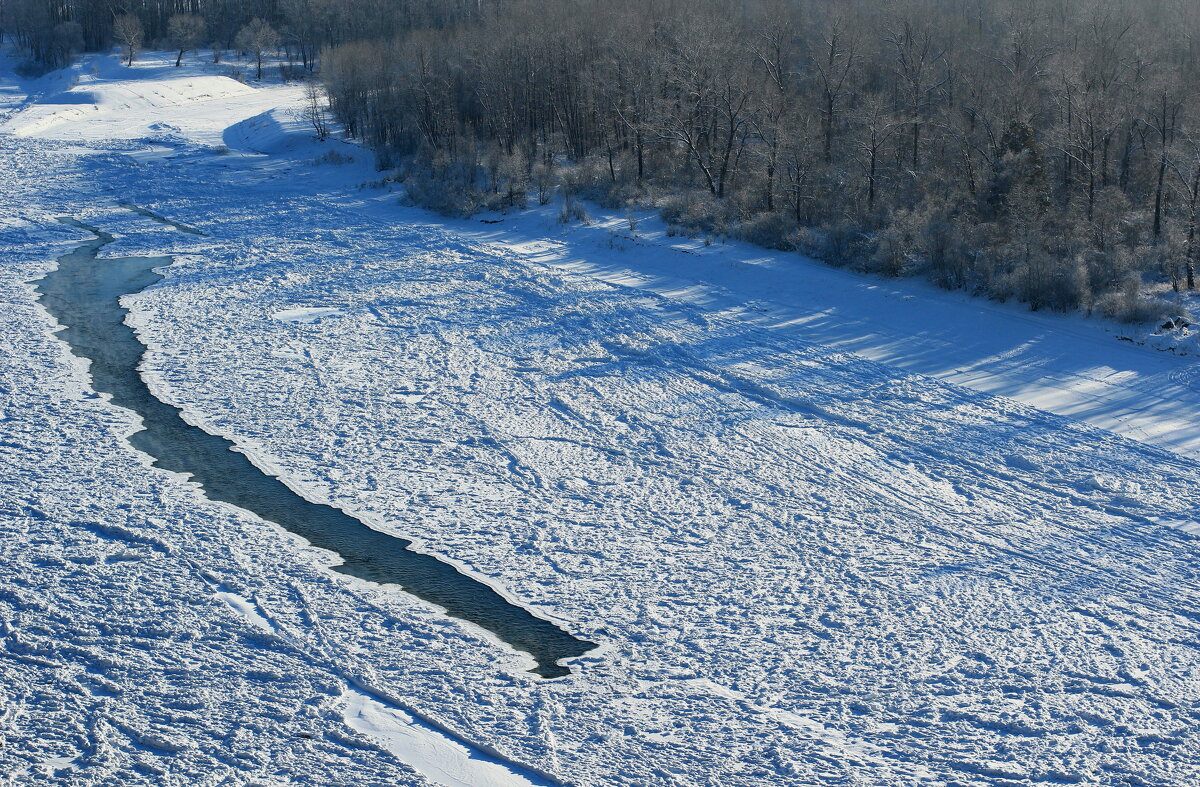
x,y
83,294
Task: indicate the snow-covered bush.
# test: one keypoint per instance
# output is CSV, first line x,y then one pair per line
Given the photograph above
x,y
896,246
1129,304
770,230
837,243
948,255
695,212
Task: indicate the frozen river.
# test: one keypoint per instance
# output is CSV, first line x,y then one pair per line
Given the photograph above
x,y
84,294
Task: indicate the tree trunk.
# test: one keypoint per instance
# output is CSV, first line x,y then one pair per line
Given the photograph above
x,y
771,178
829,102
1158,192
916,146
871,183
1104,164
612,172
1126,158
640,155
1190,262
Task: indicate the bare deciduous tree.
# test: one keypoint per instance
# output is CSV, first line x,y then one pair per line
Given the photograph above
x,y
257,38
127,29
315,97
186,32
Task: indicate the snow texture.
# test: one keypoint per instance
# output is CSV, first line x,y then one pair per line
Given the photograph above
x,y
815,542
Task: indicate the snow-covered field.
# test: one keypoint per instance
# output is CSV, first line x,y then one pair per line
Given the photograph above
x,y
815,543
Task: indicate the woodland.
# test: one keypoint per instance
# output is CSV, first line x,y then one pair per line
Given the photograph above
x,y
1043,151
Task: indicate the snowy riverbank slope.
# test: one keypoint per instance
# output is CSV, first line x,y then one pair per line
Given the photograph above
x,y
804,566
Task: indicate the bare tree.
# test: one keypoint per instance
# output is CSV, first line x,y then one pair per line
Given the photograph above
x,y
833,60
876,126
773,51
315,98
187,32
257,38
1163,118
127,29
916,58
1186,167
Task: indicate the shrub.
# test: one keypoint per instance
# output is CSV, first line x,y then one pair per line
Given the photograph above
x,y
573,210
837,243
695,212
542,175
950,260
1129,305
770,230
333,157
896,248
446,186
1107,270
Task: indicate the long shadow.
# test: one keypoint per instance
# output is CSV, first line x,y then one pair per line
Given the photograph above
x,y
83,295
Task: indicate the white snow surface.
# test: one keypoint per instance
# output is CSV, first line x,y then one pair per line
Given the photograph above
x,y
439,759
308,314
827,529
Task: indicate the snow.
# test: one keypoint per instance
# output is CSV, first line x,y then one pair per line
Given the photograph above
x,y
102,99
1176,336
438,758
1086,369
248,610
306,315
828,529
430,751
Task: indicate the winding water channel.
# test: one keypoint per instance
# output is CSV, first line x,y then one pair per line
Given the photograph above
x,y
83,294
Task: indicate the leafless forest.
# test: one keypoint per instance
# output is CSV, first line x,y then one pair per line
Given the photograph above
x,y
1046,151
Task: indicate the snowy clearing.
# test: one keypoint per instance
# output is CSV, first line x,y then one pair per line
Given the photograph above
x,y
815,544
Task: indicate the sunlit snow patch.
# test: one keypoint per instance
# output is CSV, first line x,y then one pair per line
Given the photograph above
x,y
123,105
1189,526
248,610
308,315
436,757
431,752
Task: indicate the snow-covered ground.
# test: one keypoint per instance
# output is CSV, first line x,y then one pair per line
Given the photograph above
x,y
827,529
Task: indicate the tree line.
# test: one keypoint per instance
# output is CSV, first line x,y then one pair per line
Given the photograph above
x,y
49,32
1040,150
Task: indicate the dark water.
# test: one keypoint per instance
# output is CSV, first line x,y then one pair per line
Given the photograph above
x,y
83,295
